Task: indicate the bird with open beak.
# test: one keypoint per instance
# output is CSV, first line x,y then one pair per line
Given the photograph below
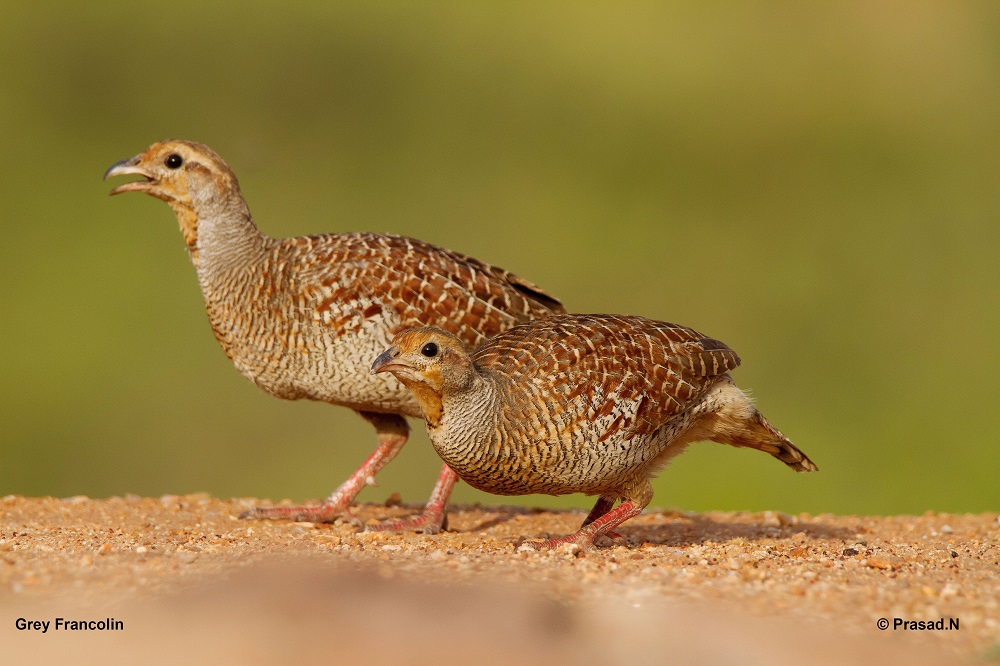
x,y
301,317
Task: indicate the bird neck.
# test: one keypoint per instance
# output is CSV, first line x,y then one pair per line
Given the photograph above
x,y
463,408
221,238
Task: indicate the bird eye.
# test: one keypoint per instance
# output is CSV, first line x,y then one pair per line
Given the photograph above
x,y
173,161
430,350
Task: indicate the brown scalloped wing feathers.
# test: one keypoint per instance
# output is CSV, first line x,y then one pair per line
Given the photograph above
x,y
360,275
596,363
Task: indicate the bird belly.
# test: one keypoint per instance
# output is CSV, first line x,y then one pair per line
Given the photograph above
x,y
516,458
517,465
315,363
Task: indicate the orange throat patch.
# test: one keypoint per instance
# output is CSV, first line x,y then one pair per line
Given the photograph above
x,y
188,221
428,398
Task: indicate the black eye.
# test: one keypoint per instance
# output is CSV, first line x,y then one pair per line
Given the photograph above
x,y
430,350
173,161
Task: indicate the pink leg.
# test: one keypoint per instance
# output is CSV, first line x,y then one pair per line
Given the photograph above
x,y
600,526
602,506
392,432
433,519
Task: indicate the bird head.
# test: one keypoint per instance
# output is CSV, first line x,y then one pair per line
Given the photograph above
x,y
189,176
174,171
431,363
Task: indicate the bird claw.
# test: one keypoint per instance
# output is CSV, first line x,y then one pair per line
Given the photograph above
x,y
323,513
574,543
582,539
429,522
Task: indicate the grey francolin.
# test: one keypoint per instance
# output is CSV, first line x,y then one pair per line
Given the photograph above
x,y
303,317
593,404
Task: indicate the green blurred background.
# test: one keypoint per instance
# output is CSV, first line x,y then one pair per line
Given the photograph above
x,y
815,184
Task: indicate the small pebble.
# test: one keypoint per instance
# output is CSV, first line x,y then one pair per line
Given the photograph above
x,y
949,590
770,519
884,562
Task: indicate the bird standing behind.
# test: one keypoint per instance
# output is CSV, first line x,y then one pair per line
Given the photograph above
x,y
302,317
594,404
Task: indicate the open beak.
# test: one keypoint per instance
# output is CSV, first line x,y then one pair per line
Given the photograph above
x,y
386,361
128,167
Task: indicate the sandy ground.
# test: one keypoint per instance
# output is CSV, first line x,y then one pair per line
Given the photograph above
x,y
190,583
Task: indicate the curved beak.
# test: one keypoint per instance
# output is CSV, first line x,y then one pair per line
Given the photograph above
x,y
386,360
127,167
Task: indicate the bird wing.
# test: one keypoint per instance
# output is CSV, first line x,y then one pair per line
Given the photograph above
x,y
412,283
592,368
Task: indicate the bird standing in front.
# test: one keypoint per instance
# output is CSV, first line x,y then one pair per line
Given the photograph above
x,y
593,404
303,317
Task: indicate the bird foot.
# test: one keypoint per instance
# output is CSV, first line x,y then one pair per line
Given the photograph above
x,y
323,513
582,541
591,531
581,538
431,521
434,517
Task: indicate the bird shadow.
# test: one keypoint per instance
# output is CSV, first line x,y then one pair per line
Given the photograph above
x,y
679,528
501,514
689,529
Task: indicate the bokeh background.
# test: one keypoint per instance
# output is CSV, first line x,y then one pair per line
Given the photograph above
x,y
813,183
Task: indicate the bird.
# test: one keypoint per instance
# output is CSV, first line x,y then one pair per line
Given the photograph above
x,y
576,403
302,317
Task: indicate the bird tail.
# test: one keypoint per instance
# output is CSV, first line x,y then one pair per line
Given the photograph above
x,y
737,422
763,436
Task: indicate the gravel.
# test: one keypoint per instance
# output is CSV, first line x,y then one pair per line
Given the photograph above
x,y
192,583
